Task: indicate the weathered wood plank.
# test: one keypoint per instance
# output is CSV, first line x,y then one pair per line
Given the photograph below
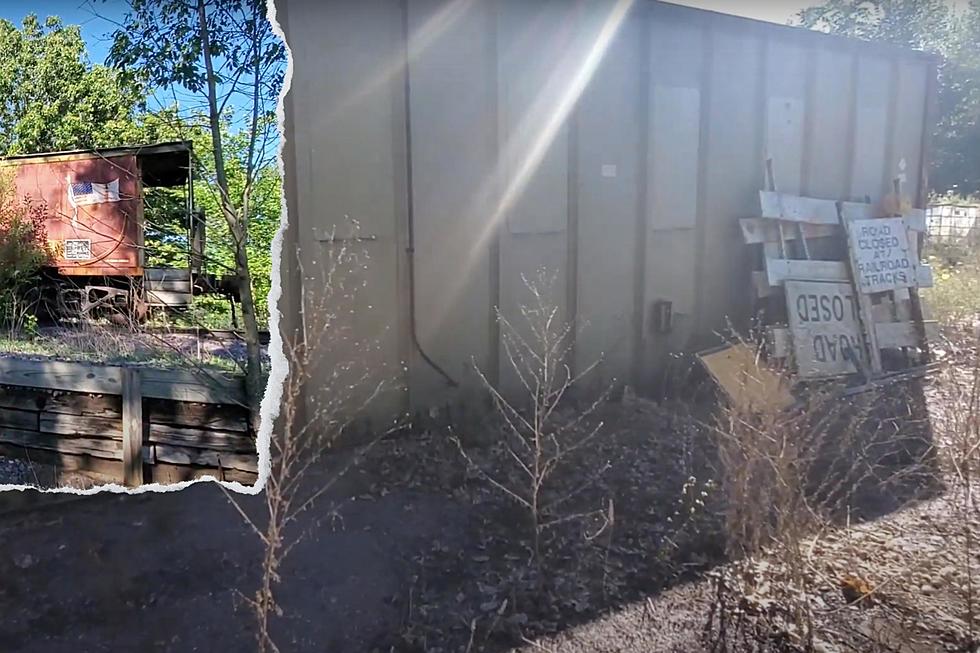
x,y
98,447
781,206
891,335
896,335
756,231
18,419
132,427
104,468
22,398
168,474
779,270
193,386
217,440
71,403
205,416
60,375
190,456
180,385
64,424
793,208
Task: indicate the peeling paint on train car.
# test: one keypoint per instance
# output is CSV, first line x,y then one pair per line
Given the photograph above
x,y
95,230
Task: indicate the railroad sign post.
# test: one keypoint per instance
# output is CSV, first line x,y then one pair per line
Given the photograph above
x,y
825,328
882,255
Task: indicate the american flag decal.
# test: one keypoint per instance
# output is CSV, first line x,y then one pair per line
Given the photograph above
x,y
88,192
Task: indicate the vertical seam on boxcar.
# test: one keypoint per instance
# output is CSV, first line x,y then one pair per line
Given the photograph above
x,y
493,350
642,199
852,112
890,122
704,144
809,99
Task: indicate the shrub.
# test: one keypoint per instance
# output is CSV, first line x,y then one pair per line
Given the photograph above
x,y
23,252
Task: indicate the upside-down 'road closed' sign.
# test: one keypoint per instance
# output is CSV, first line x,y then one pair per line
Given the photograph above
x,y
823,321
881,254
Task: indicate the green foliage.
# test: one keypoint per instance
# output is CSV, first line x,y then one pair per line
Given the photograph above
x,y
932,26
955,295
53,98
23,251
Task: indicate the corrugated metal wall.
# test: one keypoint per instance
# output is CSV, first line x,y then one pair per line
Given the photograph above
x,y
616,143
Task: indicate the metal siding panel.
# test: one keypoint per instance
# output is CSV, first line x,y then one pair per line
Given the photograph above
x,y
734,176
828,156
352,129
871,128
350,162
675,133
451,95
532,38
909,119
536,67
673,185
608,129
786,66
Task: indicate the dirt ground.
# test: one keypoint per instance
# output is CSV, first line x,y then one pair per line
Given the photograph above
x,y
410,552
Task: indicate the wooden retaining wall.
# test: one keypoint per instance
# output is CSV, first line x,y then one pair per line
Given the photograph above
x,y
130,424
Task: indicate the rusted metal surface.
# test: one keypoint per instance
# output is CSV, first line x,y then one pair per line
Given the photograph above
x,y
112,229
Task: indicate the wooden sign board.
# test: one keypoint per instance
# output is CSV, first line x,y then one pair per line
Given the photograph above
x,y
825,328
747,382
882,256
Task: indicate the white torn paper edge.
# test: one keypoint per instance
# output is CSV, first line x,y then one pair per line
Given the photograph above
x,y
272,398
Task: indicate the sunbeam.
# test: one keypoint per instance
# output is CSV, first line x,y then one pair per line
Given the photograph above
x,y
527,145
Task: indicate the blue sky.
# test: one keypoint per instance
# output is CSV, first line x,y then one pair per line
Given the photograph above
x,y
95,30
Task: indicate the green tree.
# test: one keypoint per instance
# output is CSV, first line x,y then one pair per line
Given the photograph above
x,y
53,98
932,26
224,52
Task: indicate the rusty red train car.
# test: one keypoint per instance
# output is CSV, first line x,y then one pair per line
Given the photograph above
x,y
97,220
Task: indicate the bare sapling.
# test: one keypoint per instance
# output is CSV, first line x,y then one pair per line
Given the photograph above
x,y
325,394
542,431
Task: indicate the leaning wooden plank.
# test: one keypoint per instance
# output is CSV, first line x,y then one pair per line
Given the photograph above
x,y
915,219
780,270
98,447
81,425
760,282
897,311
780,342
18,419
782,206
747,381
201,386
759,230
896,335
203,457
217,440
923,276
60,375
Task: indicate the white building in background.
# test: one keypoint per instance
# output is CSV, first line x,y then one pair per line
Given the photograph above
x,y
952,220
